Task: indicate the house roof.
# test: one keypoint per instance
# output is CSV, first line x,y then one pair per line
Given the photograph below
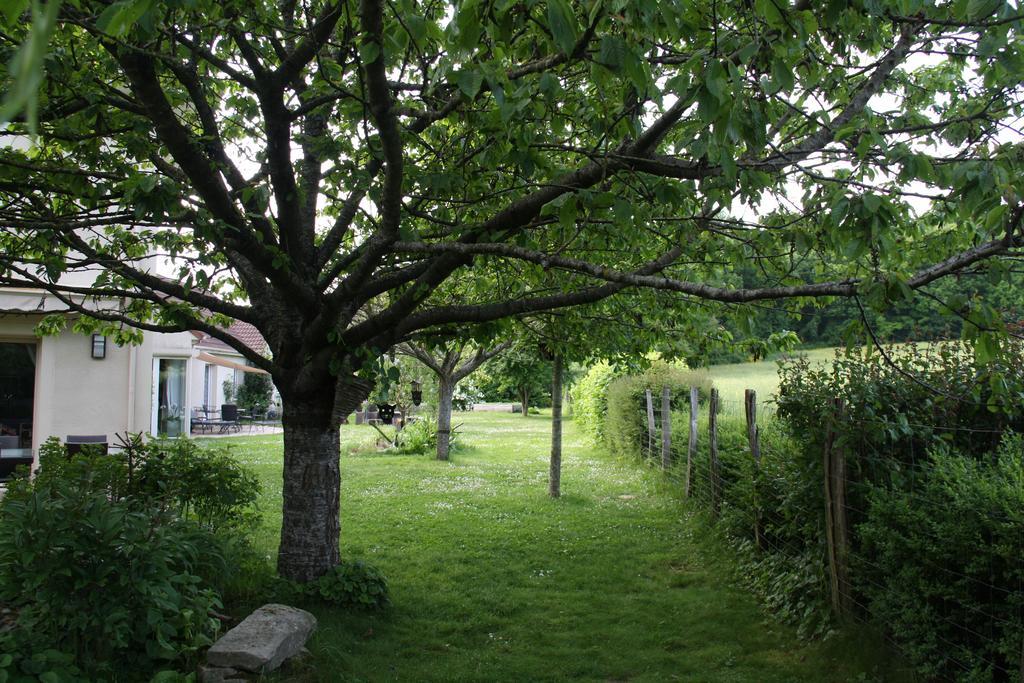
x,y
242,331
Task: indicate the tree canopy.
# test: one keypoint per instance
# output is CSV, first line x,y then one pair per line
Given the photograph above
x,y
349,175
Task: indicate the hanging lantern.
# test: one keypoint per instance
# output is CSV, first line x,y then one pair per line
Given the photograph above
x,y
417,393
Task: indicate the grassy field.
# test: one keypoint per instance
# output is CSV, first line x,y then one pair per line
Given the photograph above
x,y
493,581
763,377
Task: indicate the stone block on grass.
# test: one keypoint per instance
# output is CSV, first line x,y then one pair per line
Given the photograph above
x,y
264,639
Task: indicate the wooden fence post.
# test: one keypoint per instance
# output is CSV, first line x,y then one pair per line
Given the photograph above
x,y
836,532
691,449
666,428
716,484
650,423
754,439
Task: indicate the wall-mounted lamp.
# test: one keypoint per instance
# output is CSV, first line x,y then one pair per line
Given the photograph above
x,y
99,346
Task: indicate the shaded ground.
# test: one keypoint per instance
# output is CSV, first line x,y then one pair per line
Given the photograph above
x,y
493,581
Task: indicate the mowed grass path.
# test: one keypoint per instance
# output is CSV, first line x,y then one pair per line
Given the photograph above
x,y
493,581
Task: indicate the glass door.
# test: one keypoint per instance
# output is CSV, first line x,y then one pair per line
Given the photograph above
x,y
17,394
169,405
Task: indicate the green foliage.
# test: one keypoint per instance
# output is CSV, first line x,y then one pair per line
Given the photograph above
x,y
255,393
206,485
103,581
517,374
626,424
901,402
230,390
117,560
933,495
353,584
420,438
29,658
941,563
350,583
590,399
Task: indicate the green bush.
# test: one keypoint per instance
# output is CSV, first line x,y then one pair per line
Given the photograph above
x,y
940,564
206,485
420,438
255,393
350,583
103,581
933,496
590,400
116,560
626,414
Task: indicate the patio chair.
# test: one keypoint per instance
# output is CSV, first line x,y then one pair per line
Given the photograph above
x,y
229,417
75,443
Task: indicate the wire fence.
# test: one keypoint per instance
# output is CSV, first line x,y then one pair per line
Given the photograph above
x,y
887,534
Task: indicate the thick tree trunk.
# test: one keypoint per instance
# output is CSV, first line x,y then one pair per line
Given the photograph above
x,y
310,515
524,398
555,470
445,391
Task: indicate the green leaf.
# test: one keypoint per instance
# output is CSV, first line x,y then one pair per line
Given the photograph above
x,y
978,10
368,52
13,10
986,348
122,15
469,82
567,214
562,23
417,26
782,76
612,52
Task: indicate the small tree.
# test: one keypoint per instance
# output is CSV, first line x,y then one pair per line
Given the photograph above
x,y
255,393
452,364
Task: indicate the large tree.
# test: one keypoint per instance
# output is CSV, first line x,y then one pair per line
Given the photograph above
x,y
321,168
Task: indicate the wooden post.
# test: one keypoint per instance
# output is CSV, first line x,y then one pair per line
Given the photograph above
x,y
836,532
716,489
754,439
650,423
691,449
666,428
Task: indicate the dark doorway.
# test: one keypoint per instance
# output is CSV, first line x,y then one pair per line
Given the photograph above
x,y
17,392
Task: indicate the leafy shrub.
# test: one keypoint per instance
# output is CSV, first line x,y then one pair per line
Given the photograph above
x,y
420,438
941,564
203,484
255,393
787,573
102,580
115,559
590,400
626,421
349,584
900,404
933,496
24,658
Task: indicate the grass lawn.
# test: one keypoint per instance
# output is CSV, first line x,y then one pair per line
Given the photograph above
x,y
493,581
734,378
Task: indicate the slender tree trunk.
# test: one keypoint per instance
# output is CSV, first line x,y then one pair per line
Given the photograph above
x,y
555,472
445,391
524,397
310,517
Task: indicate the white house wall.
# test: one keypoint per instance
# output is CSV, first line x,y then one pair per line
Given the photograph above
x,y
77,394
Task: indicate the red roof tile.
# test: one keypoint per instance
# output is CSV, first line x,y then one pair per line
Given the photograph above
x,y
242,331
